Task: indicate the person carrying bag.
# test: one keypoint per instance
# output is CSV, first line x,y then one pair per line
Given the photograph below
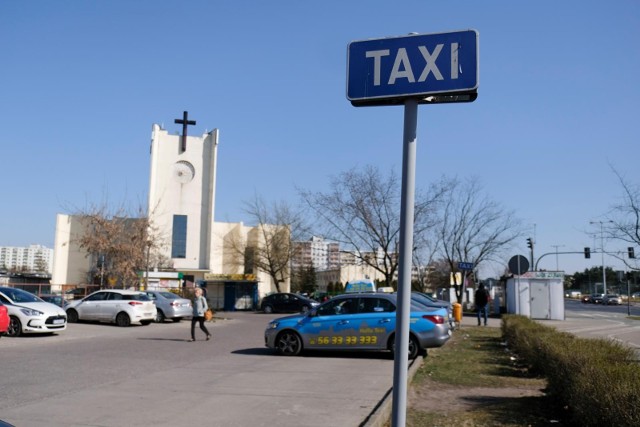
x,y
200,307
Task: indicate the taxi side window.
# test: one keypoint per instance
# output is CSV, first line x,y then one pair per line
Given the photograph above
x,y
376,305
338,306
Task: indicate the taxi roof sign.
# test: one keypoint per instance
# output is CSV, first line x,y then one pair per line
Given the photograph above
x,y
358,286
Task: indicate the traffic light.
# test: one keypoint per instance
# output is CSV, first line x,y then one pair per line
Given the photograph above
x,y
529,243
631,253
587,252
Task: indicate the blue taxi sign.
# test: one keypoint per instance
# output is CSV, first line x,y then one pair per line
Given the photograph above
x,y
356,286
468,266
433,68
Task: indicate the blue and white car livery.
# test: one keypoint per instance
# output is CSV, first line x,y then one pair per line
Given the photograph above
x,y
364,321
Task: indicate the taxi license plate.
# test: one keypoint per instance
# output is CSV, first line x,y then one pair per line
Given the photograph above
x,y
148,314
58,321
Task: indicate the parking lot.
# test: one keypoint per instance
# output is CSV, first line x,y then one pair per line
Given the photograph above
x,y
103,375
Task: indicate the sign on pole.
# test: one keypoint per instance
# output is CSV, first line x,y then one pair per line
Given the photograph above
x,y
466,266
433,68
411,70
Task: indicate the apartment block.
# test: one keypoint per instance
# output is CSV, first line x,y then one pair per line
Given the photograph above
x,y
34,258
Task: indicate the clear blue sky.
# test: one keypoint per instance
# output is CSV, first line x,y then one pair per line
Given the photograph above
x,y
83,82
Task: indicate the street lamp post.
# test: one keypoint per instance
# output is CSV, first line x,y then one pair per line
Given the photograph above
x,y
557,264
604,275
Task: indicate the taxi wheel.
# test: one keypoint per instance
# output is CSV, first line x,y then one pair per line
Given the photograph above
x,y
414,347
288,343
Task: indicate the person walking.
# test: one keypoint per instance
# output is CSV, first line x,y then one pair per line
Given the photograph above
x,y
482,304
200,306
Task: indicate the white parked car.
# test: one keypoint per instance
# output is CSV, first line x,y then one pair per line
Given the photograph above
x,y
118,306
28,314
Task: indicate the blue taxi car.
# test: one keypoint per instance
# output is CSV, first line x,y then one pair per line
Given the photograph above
x,y
365,321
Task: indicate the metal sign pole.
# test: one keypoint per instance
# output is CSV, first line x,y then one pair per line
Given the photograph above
x,y
400,364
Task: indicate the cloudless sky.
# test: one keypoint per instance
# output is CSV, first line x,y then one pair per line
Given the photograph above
x,y
82,82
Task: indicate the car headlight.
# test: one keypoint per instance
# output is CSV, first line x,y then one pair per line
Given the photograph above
x,y
272,325
31,312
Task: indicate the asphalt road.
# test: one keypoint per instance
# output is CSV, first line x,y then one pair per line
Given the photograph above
x,y
598,321
103,375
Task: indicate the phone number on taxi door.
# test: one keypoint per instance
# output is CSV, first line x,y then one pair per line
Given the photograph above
x,y
348,340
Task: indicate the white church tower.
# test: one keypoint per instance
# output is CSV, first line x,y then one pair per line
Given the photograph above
x,y
182,187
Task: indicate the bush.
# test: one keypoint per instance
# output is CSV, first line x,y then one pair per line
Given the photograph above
x,y
598,380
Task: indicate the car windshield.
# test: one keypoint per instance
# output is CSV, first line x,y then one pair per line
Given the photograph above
x,y
18,295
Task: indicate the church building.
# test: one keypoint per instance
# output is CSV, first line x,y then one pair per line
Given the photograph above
x,y
182,188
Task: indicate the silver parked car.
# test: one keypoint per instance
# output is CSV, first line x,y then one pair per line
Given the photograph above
x,y
170,306
117,306
611,299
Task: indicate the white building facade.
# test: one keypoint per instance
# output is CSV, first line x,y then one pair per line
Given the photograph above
x,y
182,196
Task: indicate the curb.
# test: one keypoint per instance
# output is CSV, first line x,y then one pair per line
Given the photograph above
x,y
381,413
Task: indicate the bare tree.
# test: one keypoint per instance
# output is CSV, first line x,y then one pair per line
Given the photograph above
x,y
118,243
362,212
624,218
473,228
268,247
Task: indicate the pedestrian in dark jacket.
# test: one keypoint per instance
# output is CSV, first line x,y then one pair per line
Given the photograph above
x,y
482,303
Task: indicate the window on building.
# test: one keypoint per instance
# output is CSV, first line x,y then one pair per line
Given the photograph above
x,y
179,237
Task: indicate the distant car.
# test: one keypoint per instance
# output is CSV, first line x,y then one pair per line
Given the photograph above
x,y
611,299
287,303
596,298
58,300
170,306
635,295
430,301
4,319
121,307
358,321
81,292
28,314
585,299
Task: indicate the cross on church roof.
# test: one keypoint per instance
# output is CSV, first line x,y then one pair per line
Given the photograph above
x,y
184,122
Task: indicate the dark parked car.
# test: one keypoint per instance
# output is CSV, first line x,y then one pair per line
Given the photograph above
x,y
287,303
58,300
429,301
596,298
